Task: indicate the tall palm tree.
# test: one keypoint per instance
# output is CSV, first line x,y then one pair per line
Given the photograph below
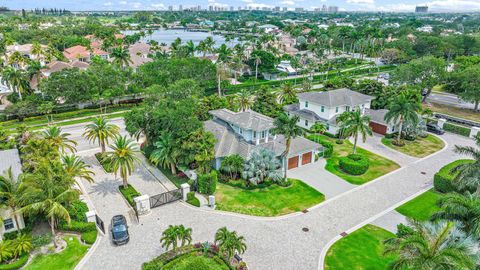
x,y
287,126
77,168
123,157
468,174
18,59
402,110
170,238
244,100
209,44
229,242
37,49
184,235
353,124
465,209
15,79
166,153
21,245
59,140
432,246
319,127
287,94
121,57
233,164
11,191
258,61
101,130
190,47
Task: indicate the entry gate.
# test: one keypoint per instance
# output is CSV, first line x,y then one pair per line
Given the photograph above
x,y
164,198
100,223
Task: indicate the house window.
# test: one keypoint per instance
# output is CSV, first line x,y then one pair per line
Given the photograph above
x,y
263,134
241,131
306,123
323,108
306,104
336,109
254,134
347,108
8,223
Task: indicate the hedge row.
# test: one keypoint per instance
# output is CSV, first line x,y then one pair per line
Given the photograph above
x,y
191,199
78,226
129,193
16,264
207,183
442,180
460,130
354,164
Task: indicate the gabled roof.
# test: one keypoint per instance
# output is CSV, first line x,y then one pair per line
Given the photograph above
x,y
139,48
10,158
245,120
377,116
338,97
79,51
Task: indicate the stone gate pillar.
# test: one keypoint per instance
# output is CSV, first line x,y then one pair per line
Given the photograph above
x,y
185,190
142,204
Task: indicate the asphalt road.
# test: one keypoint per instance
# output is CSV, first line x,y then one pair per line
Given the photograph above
x,y
450,100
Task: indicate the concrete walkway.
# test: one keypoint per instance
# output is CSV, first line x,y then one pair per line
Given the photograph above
x,y
318,177
390,220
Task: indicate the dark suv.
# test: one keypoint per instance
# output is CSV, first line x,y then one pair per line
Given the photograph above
x,y
434,128
119,230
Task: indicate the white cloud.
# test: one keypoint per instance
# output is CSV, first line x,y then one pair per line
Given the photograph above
x,y
247,1
437,5
361,2
123,2
158,6
107,4
288,2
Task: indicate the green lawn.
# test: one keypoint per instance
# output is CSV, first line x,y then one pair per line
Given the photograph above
x,y
65,260
196,261
362,249
378,165
422,207
421,147
273,200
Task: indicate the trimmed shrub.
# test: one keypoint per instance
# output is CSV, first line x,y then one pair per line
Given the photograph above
x,y
129,193
77,226
77,211
191,199
103,159
457,129
442,180
89,237
207,183
41,240
354,164
22,260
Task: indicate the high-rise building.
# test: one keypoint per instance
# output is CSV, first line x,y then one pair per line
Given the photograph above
x,y
285,9
180,8
299,9
332,9
421,9
324,8
210,8
170,8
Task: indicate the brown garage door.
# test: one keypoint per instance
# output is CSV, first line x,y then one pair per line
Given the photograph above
x,y
293,162
307,158
378,128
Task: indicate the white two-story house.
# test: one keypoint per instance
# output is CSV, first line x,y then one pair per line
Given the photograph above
x,y
326,106
243,133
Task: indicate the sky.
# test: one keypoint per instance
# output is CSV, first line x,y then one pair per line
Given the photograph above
x,y
344,5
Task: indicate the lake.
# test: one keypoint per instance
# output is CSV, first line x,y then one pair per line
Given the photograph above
x,y
167,36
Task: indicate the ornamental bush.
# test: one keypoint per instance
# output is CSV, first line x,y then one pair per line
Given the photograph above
x,y
442,180
207,183
457,129
354,164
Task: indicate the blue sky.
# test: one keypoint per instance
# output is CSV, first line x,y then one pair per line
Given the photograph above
x,y
349,5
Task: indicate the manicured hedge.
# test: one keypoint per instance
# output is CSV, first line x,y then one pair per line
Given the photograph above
x,y
77,226
89,237
129,193
207,183
442,180
16,264
354,164
191,199
460,130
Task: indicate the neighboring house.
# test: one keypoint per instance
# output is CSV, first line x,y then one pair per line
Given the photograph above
x,y
26,51
326,106
267,28
139,54
10,159
56,66
286,67
83,54
245,132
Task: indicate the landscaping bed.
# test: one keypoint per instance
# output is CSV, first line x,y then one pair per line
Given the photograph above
x,y
420,147
103,160
422,207
362,249
129,193
265,199
191,199
377,167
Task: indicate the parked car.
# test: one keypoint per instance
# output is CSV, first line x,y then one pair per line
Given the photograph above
x,y
434,128
119,229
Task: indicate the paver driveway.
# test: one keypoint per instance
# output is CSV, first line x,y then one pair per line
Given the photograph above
x,y
274,243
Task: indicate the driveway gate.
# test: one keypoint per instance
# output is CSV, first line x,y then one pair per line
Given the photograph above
x,y
100,223
164,198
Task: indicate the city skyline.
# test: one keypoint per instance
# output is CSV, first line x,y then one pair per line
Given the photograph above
x,y
344,5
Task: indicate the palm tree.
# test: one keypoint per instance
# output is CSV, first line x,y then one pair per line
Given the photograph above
x,y
170,238
190,47
58,139
353,124
15,79
244,100
467,174
258,61
319,127
402,110
11,191
233,165
47,108
263,164
37,49
121,57
229,242
287,94
44,195
21,245
464,209
184,235
209,44
77,168
102,130
166,153
18,59
123,157
6,250
432,246
289,129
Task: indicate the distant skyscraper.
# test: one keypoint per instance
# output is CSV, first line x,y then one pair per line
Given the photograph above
x,y
299,9
332,9
324,9
421,9
285,9
276,9
170,8
180,8
210,8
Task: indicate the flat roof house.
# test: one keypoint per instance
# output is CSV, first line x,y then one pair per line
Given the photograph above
x,y
326,106
10,159
243,133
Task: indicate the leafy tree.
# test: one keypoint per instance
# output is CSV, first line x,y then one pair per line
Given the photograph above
x,y
287,126
402,110
121,57
123,157
353,124
393,56
199,148
166,153
261,60
230,242
470,85
262,165
468,174
22,109
266,103
101,130
233,165
432,246
16,79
